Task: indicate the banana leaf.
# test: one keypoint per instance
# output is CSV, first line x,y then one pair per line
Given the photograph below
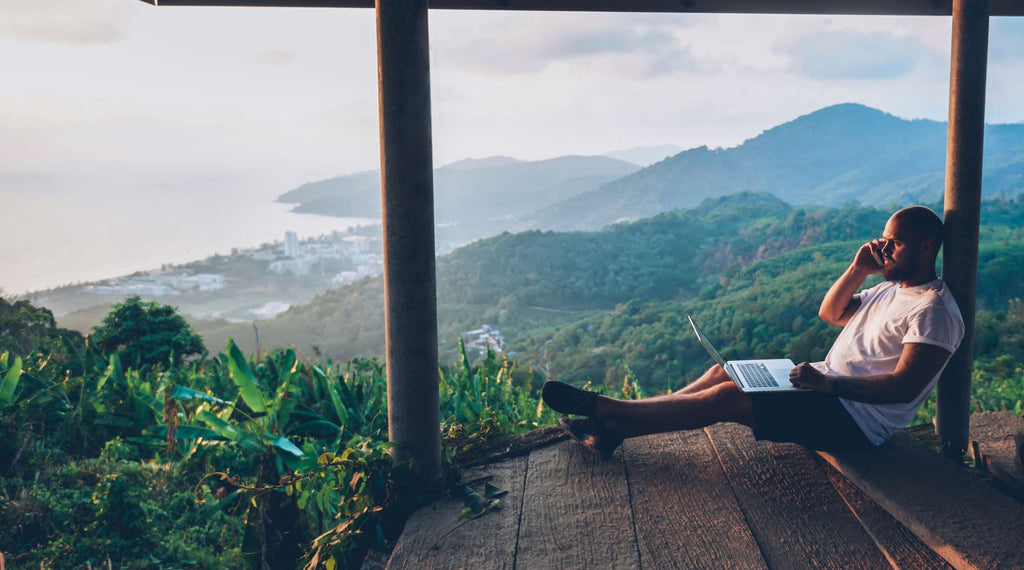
x,y
10,381
284,444
228,431
182,393
114,371
244,378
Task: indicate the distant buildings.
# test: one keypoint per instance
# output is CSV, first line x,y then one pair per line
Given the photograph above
x,y
160,285
291,244
485,337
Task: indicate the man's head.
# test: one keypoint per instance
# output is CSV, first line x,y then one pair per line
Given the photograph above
x,y
912,239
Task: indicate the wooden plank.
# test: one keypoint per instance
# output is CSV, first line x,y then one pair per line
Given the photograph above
x,y
429,541
957,514
995,432
576,512
899,545
797,517
685,511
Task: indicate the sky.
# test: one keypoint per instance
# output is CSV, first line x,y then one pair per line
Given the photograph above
x,y
119,86
119,94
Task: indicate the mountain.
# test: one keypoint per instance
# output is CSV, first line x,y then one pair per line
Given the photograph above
x,y
645,155
538,280
477,163
829,157
474,197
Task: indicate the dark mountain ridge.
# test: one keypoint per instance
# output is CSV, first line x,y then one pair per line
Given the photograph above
x,y
829,157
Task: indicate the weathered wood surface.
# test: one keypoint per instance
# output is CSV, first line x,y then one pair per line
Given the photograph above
x,y
963,518
685,512
897,543
796,516
428,540
576,512
510,446
994,432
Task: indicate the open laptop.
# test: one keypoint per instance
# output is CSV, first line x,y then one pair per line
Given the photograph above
x,y
752,375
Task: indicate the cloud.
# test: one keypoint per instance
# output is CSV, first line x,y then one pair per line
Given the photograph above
x,y
635,45
843,54
1006,39
276,57
66,21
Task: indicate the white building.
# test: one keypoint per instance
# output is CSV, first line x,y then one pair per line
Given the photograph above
x,y
291,244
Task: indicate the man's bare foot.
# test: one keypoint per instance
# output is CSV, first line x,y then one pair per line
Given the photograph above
x,y
592,436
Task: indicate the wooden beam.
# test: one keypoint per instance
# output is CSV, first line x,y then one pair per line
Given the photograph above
x,y
407,195
852,7
964,145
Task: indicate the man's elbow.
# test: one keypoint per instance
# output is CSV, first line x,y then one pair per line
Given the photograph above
x,y
828,317
908,393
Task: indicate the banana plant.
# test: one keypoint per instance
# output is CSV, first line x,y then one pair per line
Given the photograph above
x,y
10,374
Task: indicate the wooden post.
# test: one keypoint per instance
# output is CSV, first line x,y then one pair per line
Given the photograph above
x,y
407,192
964,147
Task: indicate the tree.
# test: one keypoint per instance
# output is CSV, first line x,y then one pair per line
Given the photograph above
x,y
144,334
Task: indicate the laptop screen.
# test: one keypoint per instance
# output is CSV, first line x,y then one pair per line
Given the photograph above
x,y
707,343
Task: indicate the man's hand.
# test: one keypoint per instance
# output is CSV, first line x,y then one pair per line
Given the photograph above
x,y
807,376
840,303
865,261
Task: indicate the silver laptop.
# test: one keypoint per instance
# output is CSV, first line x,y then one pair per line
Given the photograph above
x,y
752,375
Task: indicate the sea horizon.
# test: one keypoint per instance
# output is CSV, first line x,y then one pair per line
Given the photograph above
x,y
69,234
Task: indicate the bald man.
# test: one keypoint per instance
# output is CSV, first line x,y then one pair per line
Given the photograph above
x,y
896,339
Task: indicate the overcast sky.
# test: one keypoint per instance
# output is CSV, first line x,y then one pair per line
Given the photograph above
x,y
94,89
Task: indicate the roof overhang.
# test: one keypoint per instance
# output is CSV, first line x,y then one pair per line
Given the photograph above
x,y
852,7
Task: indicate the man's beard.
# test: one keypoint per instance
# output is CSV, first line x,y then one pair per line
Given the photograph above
x,y
893,273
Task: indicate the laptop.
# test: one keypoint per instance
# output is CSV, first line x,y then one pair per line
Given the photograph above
x,y
752,375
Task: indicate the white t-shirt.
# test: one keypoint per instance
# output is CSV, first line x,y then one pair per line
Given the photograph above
x,y
890,316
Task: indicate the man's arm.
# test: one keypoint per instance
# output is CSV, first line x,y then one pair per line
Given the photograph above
x,y
918,364
839,304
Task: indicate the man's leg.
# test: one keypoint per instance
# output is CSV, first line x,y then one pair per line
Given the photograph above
x,y
722,401
712,377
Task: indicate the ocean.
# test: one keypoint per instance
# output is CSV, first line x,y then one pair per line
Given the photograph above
x,y
58,231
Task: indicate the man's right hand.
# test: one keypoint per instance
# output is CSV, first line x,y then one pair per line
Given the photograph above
x,y
865,261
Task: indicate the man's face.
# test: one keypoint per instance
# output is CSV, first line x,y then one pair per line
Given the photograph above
x,y
903,253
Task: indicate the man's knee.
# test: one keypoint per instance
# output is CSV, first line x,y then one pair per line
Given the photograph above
x,y
732,403
718,373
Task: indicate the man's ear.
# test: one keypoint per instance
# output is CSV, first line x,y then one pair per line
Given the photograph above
x,y
929,245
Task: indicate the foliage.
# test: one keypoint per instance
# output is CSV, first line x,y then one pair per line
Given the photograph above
x,y
103,446
147,334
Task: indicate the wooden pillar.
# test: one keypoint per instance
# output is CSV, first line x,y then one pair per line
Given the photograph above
x,y
964,146
407,192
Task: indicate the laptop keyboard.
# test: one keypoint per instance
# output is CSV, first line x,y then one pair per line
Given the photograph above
x,y
756,375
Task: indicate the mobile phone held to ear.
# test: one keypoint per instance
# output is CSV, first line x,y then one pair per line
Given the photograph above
x,y
878,258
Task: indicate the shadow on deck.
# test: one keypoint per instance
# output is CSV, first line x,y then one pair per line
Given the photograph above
x,y
712,499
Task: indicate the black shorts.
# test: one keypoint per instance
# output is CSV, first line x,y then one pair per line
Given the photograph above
x,y
812,419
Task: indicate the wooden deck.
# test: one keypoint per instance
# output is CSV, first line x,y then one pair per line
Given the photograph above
x,y
704,499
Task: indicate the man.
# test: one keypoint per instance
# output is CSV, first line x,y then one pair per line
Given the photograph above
x,y
896,339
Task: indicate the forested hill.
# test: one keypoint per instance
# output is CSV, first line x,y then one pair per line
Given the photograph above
x,y
751,267
533,280
828,157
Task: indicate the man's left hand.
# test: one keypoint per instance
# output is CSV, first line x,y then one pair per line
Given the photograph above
x,y
807,376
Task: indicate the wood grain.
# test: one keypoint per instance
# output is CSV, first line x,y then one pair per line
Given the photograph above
x,y
900,546
428,540
685,511
576,512
794,512
955,512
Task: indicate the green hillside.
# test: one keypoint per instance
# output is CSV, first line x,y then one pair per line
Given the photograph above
x,y
587,304
828,157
